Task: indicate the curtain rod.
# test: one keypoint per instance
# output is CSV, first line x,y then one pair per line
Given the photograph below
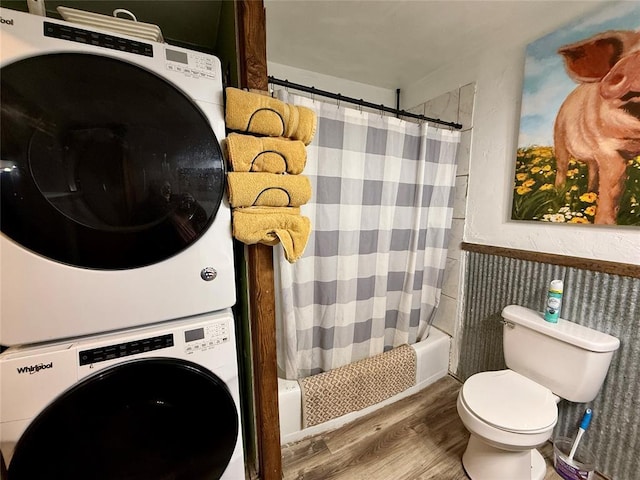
x,y
342,98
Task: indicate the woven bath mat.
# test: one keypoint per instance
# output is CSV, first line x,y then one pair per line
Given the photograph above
x,y
356,386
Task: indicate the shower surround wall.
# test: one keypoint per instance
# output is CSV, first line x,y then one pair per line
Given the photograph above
x,y
453,106
605,302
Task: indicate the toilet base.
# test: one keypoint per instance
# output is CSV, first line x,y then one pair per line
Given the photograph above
x,y
481,461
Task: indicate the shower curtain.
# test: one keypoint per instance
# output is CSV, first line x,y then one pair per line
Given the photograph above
x,y
371,275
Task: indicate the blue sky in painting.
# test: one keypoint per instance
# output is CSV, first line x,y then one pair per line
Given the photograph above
x,y
546,83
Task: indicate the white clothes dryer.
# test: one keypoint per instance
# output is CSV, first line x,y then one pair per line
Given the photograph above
x,y
154,403
111,179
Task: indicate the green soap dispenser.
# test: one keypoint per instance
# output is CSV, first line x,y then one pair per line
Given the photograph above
x,y
554,301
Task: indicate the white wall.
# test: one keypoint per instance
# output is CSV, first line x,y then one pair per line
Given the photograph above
x,y
328,83
498,75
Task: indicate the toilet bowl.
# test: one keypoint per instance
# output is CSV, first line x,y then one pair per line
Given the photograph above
x,y
509,413
508,416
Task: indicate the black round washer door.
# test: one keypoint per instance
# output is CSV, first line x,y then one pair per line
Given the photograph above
x,y
148,419
104,164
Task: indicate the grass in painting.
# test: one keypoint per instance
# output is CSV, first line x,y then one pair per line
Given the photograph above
x,y
536,197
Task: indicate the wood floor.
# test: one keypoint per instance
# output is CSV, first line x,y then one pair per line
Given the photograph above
x,y
418,438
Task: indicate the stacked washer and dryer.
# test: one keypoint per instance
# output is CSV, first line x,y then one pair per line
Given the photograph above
x,y
117,272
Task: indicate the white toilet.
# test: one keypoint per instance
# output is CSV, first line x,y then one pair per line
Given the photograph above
x,y
511,412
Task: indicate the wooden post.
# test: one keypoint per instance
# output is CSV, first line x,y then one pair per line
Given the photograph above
x,y
263,337
252,53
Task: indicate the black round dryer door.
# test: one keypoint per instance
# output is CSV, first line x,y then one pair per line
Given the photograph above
x,y
103,164
148,419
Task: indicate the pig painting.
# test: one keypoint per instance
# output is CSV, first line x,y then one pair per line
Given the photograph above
x,y
578,151
598,123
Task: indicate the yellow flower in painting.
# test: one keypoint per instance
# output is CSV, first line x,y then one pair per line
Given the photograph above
x,y
521,176
529,183
572,162
522,190
546,186
591,211
574,188
589,197
546,168
578,220
573,173
542,152
535,169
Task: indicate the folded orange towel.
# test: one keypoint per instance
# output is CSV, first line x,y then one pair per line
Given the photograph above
x,y
269,226
254,189
265,154
249,112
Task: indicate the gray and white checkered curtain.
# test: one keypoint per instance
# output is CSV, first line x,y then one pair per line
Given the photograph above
x,y
371,275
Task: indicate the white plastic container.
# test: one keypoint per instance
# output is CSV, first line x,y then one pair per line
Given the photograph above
x,y
580,467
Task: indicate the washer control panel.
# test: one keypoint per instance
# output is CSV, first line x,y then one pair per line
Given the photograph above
x,y
190,64
207,336
126,349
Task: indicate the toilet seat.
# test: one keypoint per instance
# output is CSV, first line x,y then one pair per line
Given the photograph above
x,y
510,402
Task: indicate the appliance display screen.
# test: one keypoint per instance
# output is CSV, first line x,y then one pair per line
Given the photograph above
x,y
193,335
175,56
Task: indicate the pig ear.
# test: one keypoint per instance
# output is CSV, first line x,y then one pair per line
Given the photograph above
x,y
590,60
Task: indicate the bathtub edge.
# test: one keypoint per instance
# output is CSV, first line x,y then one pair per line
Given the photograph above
x,y
432,363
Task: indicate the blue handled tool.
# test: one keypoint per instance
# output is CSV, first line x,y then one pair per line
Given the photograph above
x,y
586,420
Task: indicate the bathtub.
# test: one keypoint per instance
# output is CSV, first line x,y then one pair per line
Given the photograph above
x,y
432,356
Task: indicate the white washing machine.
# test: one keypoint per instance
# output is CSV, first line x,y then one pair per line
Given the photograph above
x,y
154,403
111,179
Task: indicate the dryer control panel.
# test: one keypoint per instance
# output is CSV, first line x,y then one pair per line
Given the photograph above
x,y
190,63
80,35
206,337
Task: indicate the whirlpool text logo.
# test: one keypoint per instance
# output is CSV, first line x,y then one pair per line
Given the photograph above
x,y
31,369
6,21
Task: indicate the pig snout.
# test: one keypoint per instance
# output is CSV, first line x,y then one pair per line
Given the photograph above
x,y
623,80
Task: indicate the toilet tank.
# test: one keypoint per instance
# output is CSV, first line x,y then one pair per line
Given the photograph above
x,y
569,359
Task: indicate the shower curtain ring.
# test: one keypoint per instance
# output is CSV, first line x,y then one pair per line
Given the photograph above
x,y
339,97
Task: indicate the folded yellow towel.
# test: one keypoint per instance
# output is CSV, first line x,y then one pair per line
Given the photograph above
x,y
272,225
307,124
254,189
265,154
249,112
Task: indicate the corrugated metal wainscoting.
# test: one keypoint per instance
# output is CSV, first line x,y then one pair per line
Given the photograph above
x,y
609,303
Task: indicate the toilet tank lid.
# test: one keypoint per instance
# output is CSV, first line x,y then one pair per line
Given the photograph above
x,y
564,330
